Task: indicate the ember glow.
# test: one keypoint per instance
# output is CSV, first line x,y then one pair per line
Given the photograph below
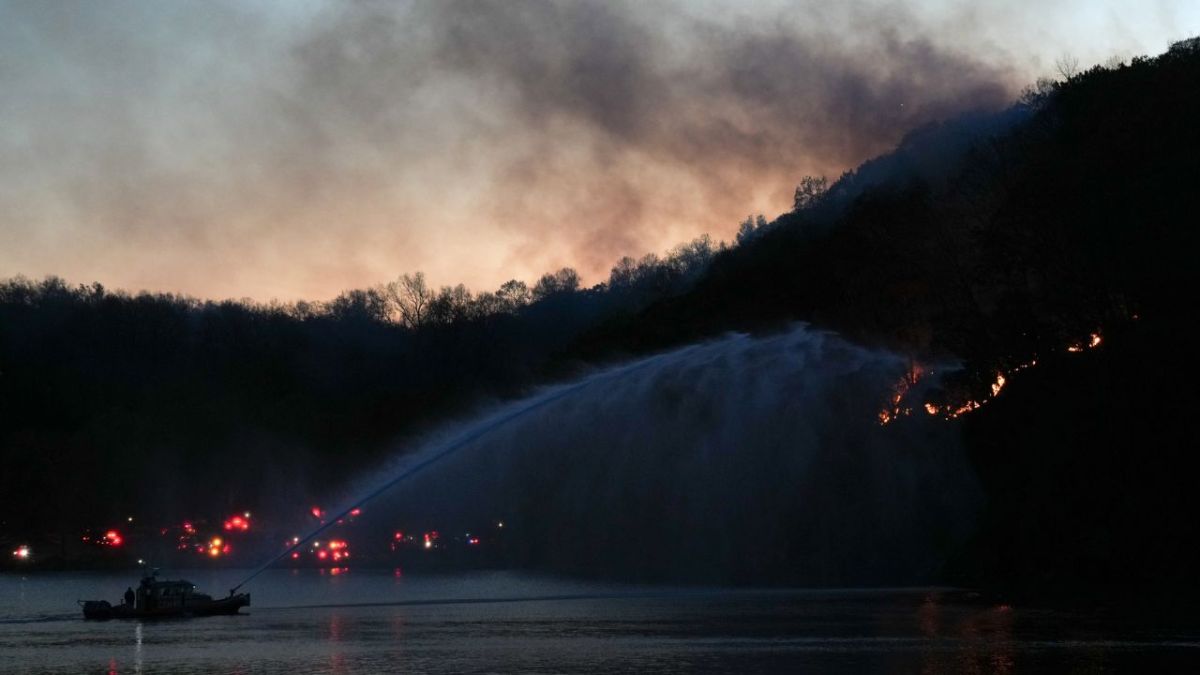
x,y
1093,341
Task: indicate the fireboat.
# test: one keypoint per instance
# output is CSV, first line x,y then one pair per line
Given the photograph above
x,y
162,599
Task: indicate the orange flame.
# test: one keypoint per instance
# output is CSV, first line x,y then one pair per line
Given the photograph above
x,y
900,390
911,377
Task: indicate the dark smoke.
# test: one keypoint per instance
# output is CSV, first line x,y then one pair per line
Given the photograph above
x,y
215,150
614,115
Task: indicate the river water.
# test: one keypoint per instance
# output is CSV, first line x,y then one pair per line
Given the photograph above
x,y
369,621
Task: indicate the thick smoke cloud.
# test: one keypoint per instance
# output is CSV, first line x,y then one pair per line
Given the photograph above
x,y
608,129
296,150
689,127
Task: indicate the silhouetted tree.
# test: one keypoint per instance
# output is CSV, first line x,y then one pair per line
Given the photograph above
x,y
486,304
623,274
1067,66
411,297
513,295
750,227
360,305
566,280
809,192
452,303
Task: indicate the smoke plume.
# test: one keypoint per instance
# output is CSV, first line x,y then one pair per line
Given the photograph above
x,y
224,150
299,149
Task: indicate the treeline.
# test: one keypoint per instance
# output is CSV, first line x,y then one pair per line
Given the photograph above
x,y
117,403
410,302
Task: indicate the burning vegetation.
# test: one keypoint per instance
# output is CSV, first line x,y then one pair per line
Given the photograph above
x,y
900,404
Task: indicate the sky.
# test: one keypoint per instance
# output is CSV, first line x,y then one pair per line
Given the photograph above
x,y
294,149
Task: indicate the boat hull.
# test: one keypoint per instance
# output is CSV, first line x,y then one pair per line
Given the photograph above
x,y
101,610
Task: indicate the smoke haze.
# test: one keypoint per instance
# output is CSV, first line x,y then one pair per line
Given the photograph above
x,y
296,149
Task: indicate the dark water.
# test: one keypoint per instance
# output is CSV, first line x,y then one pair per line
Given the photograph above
x,y
374,621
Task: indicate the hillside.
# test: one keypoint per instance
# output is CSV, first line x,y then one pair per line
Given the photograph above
x,y
995,239
1074,218
1077,220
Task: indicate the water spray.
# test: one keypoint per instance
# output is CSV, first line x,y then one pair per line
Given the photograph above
x,y
459,443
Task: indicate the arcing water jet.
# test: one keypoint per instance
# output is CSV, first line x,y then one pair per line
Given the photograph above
x,y
743,459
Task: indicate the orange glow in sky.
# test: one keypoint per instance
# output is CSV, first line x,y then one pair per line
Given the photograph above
x,y
296,150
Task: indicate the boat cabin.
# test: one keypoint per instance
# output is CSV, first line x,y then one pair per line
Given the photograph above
x,y
155,594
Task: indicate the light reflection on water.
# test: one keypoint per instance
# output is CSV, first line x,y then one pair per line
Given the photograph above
x,y
366,621
137,647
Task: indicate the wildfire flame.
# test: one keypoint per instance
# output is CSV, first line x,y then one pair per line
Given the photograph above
x,y
896,408
906,382
998,384
1094,341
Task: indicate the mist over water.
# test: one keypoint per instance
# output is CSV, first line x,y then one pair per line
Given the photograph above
x,y
745,459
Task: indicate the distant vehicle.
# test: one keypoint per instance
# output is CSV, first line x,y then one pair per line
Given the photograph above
x,y
155,599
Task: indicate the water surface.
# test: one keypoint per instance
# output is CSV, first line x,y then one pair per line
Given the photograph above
x,y
366,621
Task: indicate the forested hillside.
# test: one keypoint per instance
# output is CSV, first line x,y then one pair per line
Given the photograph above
x,y
994,239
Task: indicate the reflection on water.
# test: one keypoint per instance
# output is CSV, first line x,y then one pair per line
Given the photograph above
x,y
137,647
365,622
